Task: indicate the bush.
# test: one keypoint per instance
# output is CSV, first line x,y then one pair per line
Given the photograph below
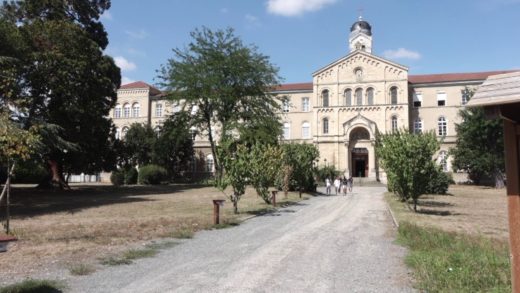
x,y
25,172
152,174
327,172
131,176
117,177
439,182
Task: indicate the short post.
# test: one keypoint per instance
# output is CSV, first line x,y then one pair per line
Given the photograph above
x,y
273,197
301,190
216,210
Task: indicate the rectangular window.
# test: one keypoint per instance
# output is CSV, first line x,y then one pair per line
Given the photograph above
x,y
305,104
286,131
286,105
465,96
158,110
441,99
417,100
417,126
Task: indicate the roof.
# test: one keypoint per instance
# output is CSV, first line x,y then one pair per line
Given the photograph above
x,y
451,77
498,90
294,87
141,85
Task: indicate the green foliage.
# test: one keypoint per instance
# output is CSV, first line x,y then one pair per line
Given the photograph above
x,y
29,172
16,143
117,177
480,146
407,161
228,83
235,159
327,172
139,143
300,158
448,262
34,286
265,163
152,174
439,182
131,176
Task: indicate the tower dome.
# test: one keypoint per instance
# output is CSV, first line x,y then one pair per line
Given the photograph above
x,y
361,26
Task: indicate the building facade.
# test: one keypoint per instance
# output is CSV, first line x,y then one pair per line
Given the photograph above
x,y
342,109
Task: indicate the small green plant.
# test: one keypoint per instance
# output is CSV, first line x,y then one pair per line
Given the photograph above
x,y
34,286
117,177
162,245
131,176
152,174
182,233
449,262
81,270
133,254
115,261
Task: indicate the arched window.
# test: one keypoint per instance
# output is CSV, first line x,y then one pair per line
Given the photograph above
x,y
126,110
210,163
359,97
118,133
158,110
348,97
443,160
286,130
305,104
135,110
359,133
442,126
325,125
394,123
306,130
393,95
417,126
325,98
123,132
117,111
370,96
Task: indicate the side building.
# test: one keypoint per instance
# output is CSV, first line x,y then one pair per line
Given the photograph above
x,y
342,109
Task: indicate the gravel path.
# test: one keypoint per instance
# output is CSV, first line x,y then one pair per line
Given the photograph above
x,y
325,244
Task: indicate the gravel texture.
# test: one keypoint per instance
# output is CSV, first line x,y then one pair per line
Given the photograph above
x,y
325,244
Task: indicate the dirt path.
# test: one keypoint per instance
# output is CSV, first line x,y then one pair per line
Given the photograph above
x,y
325,244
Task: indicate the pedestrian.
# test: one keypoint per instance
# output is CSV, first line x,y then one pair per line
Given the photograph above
x,y
337,185
328,184
344,185
350,183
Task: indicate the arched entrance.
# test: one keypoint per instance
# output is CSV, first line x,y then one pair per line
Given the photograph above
x,y
360,152
359,162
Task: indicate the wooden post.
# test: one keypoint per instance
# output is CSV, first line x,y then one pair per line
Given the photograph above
x,y
512,158
273,197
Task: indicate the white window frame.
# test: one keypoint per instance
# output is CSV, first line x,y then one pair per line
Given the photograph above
x,y
396,95
136,108
348,98
417,126
126,110
325,125
370,92
359,97
464,96
443,160
442,97
210,163
442,126
325,94
306,104
118,111
393,123
158,110
417,98
306,130
286,104
287,130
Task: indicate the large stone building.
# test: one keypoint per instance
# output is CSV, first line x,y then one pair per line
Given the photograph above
x,y
342,109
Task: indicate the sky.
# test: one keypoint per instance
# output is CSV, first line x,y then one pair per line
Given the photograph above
x,y
302,36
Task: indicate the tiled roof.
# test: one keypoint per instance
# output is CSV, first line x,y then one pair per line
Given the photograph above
x,y
451,77
141,85
295,87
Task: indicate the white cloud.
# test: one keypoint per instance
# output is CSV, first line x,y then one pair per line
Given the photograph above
x,y
124,64
140,34
296,7
106,15
126,80
401,53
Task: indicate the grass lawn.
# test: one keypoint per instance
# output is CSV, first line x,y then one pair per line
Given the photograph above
x,y
458,243
77,229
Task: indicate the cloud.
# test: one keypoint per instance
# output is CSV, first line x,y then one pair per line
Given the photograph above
x,y
401,53
140,34
106,15
126,80
124,64
296,7
252,20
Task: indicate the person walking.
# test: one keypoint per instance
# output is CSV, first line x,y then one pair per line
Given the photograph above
x,y
337,185
328,185
350,183
344,185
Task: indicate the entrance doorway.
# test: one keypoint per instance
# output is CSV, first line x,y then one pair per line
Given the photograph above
x,y
360,162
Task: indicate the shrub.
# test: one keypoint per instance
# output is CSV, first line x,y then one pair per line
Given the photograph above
x,y
131,176
152,174
28,172
117,177
439,182
327,172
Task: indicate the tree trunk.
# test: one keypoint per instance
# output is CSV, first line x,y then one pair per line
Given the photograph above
x,y
56,179
415,205
218,171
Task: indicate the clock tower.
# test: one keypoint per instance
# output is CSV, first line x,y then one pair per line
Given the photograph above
x,y
360,36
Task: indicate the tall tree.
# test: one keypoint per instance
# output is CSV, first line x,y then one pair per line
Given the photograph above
x,y
139,143
480,146
64,82
226,82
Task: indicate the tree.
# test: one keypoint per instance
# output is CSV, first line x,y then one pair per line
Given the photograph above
x,y
298,165
174,146
235,160
407,161
264,163
480,146
139,144
63,83
224,82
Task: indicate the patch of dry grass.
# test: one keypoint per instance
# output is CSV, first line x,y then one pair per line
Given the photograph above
x,y
473,210
59,228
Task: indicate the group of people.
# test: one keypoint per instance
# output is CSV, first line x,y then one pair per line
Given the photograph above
x,y
341,185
